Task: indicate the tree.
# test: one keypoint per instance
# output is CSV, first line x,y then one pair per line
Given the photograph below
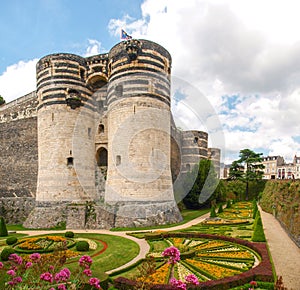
x,y
3,229
2,101
248,167
206,186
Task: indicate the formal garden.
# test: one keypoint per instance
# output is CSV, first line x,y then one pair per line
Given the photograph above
x,y
226,250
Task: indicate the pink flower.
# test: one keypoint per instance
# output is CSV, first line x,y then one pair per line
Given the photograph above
x,y
192,279
11,273
253,283
85,261
17,280
178,284
51,268
47,277
15,258
1,265
35,257
95,282
87,272
173,253
63,275
62,287
28,265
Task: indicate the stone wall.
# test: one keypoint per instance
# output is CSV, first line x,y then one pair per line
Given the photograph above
x,y
18,147
15,210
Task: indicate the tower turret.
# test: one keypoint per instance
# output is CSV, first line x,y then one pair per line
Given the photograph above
x,y
139,181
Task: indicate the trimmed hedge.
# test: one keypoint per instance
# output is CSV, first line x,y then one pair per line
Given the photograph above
x,y
69,234
258,232
82,246
3,229
6,252
11,240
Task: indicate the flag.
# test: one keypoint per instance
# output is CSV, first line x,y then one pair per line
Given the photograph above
x,y
124,35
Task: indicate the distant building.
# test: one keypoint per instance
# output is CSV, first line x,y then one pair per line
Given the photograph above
x,y
271,164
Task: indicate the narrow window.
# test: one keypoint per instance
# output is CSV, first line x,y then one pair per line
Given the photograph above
x,y
89,133
119,91
52,117
188,167
70,161
118,160
196,140
82,73
101,129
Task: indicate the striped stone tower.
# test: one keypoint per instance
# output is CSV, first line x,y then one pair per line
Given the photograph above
x,y
139,181
66,145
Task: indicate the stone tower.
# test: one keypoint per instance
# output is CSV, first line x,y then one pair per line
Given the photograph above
x,y
139,179
66,142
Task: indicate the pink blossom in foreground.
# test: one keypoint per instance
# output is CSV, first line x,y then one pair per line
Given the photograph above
x,y
35,257
173,253
87,272
95,282
192,279
15,258
178,284
28,265
63,275
61,287
47,277
85,261
1,265
11,272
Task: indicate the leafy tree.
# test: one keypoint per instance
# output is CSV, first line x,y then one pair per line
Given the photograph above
x,y
252,164
2,101
206,186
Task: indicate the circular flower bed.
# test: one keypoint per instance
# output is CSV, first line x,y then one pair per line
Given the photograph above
x,y
207,259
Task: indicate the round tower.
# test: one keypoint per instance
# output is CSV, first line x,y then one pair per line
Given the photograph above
x,y
139,180
66,128
194,148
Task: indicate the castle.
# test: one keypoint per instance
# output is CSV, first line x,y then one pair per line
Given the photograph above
x,y
96,142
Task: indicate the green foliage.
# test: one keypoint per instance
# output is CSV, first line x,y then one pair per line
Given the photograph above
x,y
255,209
258,233
3,229
248,167
205,185
220,210
82,246
6,252
213,212
228,204
11,240
69,234
2,101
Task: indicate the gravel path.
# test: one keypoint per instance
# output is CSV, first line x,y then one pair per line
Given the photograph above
x,y
285,253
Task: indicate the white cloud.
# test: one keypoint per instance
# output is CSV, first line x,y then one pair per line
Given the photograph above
x,y
93,48
18,80
249,49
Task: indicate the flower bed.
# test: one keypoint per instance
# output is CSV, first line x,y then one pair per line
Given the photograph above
x,y
219,261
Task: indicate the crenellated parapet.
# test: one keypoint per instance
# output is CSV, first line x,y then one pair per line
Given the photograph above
x,y
21,108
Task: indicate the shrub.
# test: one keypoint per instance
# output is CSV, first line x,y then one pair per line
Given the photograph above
x,y
69,234
213,212
228,204
3,229
258,233
11,240
255,208
6,252
82,246
220,210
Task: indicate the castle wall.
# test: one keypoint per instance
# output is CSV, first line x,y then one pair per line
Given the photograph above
x,y
18,147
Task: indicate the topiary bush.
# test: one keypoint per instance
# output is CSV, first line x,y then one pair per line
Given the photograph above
x,y
255,209
228,204
11,240
6,252
220,210
3,229
213,212
69,234
258,232
82,246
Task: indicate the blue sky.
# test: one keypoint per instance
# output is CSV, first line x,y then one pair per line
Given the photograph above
x,y
235,64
